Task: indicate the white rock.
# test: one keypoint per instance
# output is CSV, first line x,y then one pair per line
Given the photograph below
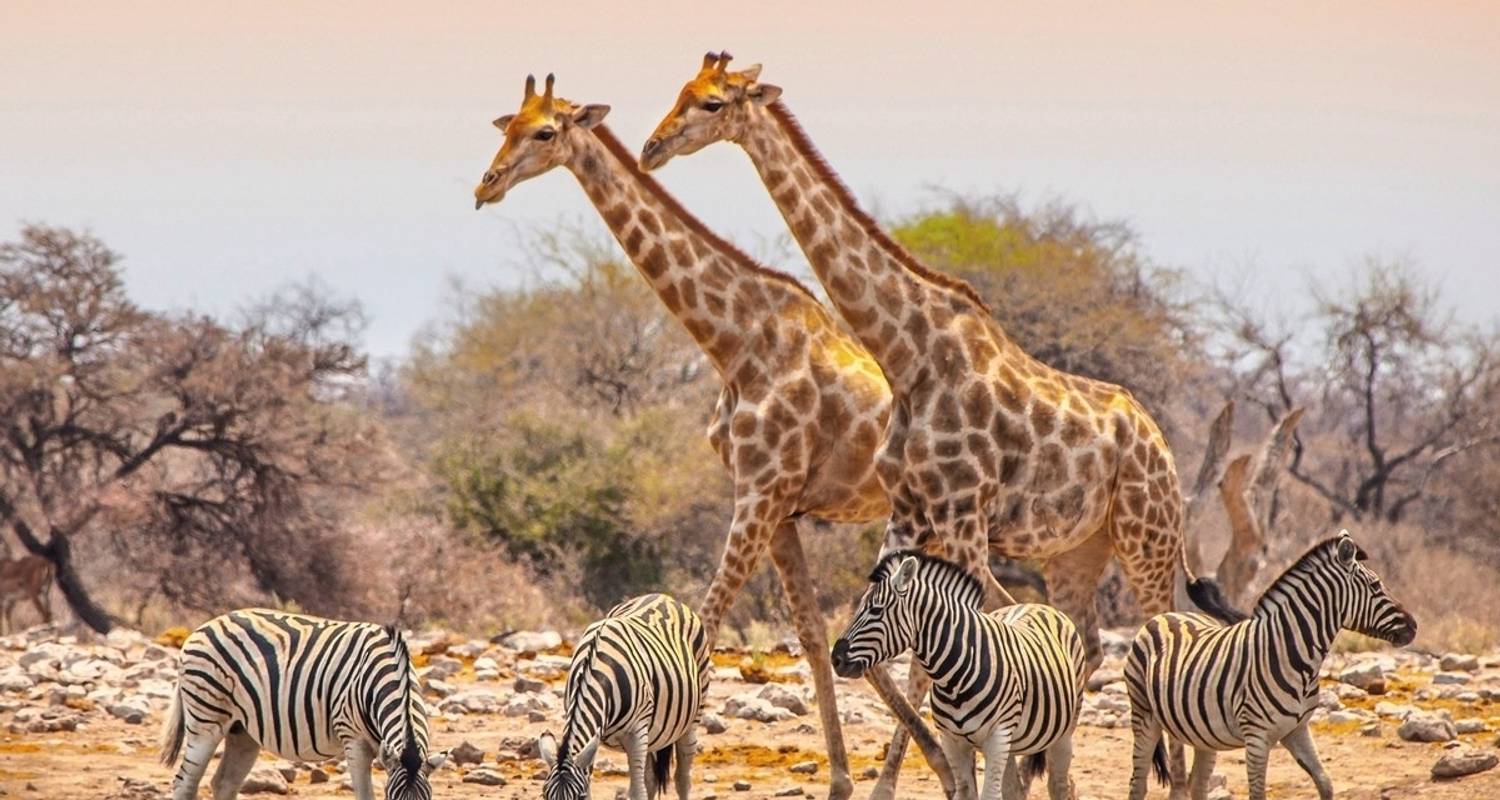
x,y
1459,763
524,703
264,780
750,706
1471,725
1458,662
782,697
1450,678
531,641
1425,727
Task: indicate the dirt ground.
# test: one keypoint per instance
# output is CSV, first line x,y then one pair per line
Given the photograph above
x,y
96,760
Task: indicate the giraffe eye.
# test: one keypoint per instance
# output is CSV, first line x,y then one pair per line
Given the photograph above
x,y
712,106
544,134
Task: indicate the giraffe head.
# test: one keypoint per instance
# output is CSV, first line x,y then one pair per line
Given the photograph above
x,y
714,106
539,136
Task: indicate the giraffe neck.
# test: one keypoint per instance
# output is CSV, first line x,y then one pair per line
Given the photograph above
x,y
889,299
717,292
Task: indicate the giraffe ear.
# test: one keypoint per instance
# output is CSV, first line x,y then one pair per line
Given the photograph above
x,y
763,94
749,73
901,581
590,115
501,122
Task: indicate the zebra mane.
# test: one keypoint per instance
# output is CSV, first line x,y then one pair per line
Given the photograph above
x,y
968,585
1304,564
570,700
411,758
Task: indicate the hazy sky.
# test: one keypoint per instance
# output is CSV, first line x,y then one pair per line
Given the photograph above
x,y
227,149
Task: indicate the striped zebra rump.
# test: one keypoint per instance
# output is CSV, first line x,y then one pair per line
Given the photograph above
x,y
301,686
1192,670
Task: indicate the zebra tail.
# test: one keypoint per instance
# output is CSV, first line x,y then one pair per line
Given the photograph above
x,y
661,768
1208,595
172,731
1034,765
1159,762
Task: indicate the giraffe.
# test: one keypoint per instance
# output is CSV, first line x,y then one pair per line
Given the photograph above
x,y
987,449
802,405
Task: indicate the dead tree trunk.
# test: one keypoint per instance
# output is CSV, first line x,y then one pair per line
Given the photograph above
x,y
1249,502
1220,434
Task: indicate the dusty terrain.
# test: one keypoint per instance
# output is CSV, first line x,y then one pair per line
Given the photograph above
x,y
81,720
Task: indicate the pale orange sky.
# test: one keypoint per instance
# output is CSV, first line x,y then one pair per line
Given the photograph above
x,y
226,149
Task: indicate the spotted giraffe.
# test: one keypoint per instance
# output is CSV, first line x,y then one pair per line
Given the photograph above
x,y
803,403
988,449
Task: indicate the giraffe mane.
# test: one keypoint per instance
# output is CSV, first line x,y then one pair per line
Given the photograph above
x,y
804,145
661,195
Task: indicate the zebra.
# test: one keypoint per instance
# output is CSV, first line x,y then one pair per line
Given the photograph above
x,y
1008,683
1254,683
635,683
304,688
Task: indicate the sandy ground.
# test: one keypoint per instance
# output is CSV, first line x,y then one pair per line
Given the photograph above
x,y
96,760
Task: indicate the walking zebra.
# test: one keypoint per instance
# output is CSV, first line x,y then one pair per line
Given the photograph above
x,y
1254,683
304,688
636,681
1008,683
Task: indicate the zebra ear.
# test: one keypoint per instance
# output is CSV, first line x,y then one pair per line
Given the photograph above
x,y
585,758
1348,551
546,747
434,761
901,581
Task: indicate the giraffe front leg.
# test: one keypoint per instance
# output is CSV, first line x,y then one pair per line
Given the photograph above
x,y
917,684
908,719
756,518
791,562
1299,742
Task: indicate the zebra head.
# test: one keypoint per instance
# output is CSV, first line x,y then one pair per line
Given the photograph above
x,y
407,770
882,626
568,776
1370,609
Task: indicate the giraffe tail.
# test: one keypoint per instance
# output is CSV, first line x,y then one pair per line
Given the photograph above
x,y
1208,595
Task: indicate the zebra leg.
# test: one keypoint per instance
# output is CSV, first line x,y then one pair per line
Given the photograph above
x,y
907,719
917,684
1203,770
687,748
240,750
812,631
1257,753
1000,776
1299,742
1059,765
960,755
197,752
359,756
1148,734
635,756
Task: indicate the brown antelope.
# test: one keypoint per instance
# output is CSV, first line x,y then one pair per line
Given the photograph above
x,y
29,576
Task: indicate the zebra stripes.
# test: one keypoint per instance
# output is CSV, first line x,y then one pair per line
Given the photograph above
x,y
635,683
302,687
1254,683
1008,683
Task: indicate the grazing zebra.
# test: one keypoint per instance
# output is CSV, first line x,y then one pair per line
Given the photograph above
x,y
1008,683
305,688
1254,683
637,679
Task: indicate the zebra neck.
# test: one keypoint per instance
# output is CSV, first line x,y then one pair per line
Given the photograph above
x,y
1299,631
945,627
581,727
